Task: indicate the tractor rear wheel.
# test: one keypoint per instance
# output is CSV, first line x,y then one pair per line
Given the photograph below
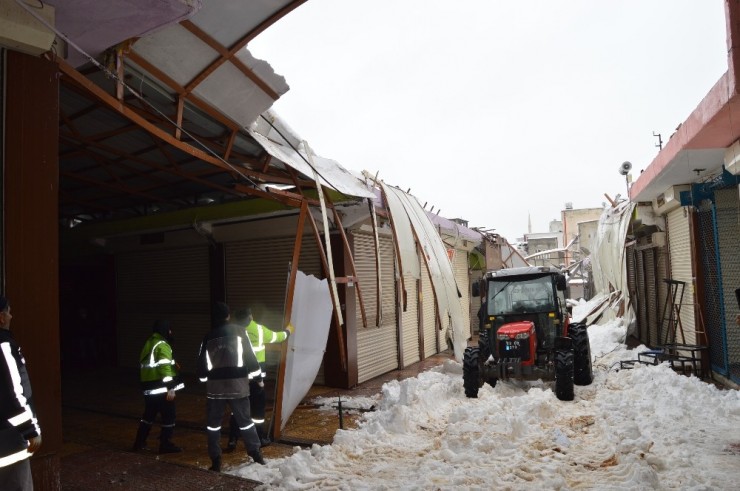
x,y
564,375
471,371
582,370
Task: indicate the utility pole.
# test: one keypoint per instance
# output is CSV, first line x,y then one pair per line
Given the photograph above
x,y
660,140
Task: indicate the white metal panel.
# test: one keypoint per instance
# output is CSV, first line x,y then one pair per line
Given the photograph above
x,y
679,244
169,284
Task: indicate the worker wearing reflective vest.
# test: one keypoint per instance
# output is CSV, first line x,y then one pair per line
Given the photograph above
x,y
159,382
20,434
259,336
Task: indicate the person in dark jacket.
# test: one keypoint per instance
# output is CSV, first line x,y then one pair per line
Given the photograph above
x,y
20,433
159,382
226,363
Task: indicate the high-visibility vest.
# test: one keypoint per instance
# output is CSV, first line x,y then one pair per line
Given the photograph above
x,y
260,335
158,370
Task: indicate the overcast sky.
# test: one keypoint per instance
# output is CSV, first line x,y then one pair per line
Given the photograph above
x,y
490,110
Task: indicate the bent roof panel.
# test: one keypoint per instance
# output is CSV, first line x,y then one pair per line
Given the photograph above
x,y
284,144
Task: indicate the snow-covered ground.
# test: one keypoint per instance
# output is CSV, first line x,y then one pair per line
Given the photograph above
x,y
645,428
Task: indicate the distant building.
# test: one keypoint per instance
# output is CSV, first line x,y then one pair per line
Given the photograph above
x,y
571,218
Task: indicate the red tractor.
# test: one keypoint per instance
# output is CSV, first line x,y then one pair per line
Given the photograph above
x,y
526,333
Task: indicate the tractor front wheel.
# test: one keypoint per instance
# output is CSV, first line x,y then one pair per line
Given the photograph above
x,y
582,370
564,375
471,371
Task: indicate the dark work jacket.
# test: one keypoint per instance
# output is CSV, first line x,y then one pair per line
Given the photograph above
x,y
227,363
18,422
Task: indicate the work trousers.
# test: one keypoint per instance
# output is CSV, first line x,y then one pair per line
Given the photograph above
x,y
256,409
158,404
215,414
16,477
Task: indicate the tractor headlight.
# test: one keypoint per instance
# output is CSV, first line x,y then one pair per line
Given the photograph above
x,y
522,335
502,337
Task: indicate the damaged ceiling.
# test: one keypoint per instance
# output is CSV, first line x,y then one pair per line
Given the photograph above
x,y
172,112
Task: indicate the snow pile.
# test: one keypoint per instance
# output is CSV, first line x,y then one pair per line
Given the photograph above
x,y
645,428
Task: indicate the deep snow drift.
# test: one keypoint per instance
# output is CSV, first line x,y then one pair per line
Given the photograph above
x,y
645,428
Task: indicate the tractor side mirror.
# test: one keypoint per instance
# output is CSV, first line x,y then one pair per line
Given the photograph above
x,y
475,289
560,282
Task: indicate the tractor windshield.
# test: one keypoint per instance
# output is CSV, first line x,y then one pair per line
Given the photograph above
x,y
520,295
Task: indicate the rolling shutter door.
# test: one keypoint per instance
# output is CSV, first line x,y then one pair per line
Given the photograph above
x,y
377,346
651,290
429,314
257,277
728,231
169,284
679,243
460,268
641,297
474,302
257,274
410,322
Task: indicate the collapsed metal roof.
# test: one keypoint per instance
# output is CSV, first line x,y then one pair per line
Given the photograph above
x,y
161,110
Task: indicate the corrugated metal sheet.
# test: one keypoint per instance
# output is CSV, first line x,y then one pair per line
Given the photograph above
x,y
410,322
728,229
173,284
377,347
679,244
429,314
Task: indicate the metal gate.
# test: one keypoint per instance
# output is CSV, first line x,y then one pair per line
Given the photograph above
x,y
711,273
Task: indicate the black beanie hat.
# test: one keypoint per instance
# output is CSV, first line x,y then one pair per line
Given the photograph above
x,y
3,303
220,312
162,326
241,315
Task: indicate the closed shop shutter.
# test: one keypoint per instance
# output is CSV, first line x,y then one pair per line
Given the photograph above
x,y
257,274
641,303
651,290
679,245
728,231
377,346
410,322
460,268
661,272
474,302
257,277
169,284
429,314
632,281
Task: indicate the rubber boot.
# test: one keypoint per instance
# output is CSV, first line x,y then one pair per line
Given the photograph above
x,y
165,441
141,435
262,432
215,465
256,456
